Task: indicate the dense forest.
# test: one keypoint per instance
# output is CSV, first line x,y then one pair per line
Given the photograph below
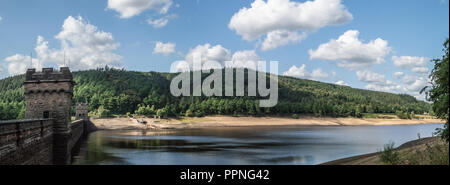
x,y
119,92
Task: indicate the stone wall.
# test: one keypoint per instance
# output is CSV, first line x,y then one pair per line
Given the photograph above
x,y
47,136
26,142
82,111
48,94
35,142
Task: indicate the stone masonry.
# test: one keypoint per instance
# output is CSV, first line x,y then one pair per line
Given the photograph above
x,y
47,135
48,94
82,111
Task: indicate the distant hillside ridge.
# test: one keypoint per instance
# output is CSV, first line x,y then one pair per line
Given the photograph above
x,y
112,91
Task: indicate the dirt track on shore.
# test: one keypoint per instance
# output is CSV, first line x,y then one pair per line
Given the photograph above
x,y
228,121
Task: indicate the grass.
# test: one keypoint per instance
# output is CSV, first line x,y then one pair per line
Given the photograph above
x,y
389,155
433,153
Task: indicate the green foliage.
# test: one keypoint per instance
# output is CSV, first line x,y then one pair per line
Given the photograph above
x,y
103,112
144,93
438,94
189,113
389,155
433,155
403,115
295,116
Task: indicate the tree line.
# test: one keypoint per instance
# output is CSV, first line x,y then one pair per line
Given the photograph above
x,y
111,91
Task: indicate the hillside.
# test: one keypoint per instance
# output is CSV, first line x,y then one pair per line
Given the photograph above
x,y
111,91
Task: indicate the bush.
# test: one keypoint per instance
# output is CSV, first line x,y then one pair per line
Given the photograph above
x,y
295,116
199,113
103,112
389,155
403,115
189,113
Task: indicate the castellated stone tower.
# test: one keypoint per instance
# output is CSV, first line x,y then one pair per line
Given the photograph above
x,y
48,94
82,111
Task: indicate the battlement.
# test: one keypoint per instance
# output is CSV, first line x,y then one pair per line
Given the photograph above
x,y
48,74
81,105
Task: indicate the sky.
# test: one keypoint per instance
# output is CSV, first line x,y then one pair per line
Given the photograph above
x,y
381,45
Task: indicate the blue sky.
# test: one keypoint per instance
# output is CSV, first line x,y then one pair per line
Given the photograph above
x,y
306,39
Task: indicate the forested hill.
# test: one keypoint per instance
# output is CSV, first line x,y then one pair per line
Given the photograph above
x,y
111,92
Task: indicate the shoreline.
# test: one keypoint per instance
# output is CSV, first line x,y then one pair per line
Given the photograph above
x,y
374,159
229,121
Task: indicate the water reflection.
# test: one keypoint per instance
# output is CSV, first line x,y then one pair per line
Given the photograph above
x,y
243,145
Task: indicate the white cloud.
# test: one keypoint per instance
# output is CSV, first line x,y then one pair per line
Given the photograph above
x,y
215,53
378,82
158,23
318,74
410,61
164,48
18,64
301,72
341,82
410,84
351,52
130,8
241,59
1,19
420,70
386,87
82,43
264,17
414,83
398,74
370,77
278,38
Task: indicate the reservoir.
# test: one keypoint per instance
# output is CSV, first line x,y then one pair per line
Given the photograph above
x,y
280,145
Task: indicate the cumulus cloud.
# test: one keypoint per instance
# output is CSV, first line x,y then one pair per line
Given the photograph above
x,y
388,86
158,23
370,77
420,70
18,64
341,82
414,83
351,52
215,53
164,48
274,16
410,61
130,8
82,43
219,54
278,38
208,52
244,59
416,64
409,84
301,72
398,74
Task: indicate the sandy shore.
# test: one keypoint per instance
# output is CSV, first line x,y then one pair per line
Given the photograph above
x,y
228,121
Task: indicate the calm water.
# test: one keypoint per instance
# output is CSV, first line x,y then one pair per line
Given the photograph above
x,y
246,145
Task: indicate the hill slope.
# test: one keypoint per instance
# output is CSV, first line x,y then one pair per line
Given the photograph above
x,y
111,91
